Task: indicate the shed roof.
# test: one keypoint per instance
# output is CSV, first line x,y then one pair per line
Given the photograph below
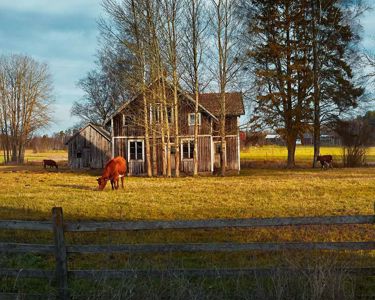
x,y
98,128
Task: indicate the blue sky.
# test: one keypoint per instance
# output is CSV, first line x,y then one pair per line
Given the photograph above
x,y
63,34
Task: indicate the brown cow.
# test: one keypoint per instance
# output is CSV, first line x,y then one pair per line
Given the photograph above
x,y
325,161
51,163
113,170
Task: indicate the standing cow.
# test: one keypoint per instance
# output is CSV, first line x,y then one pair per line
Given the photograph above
x,y
51,163
113,170
325,161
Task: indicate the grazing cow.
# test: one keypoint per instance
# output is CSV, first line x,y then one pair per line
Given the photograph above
x,y
325,161
51,163
113,170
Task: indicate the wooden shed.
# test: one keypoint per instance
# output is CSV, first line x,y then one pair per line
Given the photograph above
x,y
90,147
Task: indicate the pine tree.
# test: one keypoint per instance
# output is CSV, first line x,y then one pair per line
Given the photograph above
x,y
283,73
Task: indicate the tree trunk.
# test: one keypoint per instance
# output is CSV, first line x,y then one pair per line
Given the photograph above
x,y
291,145
176,129
316,94
147,136
167,129
196,129
223,153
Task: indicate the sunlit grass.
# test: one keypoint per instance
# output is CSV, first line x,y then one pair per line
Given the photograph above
x,y
29,192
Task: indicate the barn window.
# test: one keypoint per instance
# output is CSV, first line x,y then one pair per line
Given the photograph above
x,y
173,149
135,150
170,114
79,155
191,119
187,149
155,113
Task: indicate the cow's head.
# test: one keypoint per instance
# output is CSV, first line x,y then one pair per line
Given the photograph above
x,y
102,182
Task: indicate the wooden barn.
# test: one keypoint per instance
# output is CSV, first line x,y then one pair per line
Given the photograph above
x,y
128,134
90,147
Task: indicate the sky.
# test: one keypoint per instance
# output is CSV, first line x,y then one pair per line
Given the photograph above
x,y
63,34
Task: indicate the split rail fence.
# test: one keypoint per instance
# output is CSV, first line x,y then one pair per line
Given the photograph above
x,y
61,250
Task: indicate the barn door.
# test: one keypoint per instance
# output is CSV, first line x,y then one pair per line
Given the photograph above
x,y
86,158
217,151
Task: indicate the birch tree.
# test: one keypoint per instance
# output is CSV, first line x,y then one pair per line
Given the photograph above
x,y
227,27
25,103
126,28
195,27
171,12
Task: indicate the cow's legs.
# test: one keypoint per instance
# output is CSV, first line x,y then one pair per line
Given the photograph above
x,y
122,181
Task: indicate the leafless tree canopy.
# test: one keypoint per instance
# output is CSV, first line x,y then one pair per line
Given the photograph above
x,y
25,101
356,137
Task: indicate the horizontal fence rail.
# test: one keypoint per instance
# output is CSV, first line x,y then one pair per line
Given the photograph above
x,y
26,225
58,227
186,247
219,247
87,226
217,223
26,248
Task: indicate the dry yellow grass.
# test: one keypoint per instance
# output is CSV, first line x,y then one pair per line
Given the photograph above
x,y
30,192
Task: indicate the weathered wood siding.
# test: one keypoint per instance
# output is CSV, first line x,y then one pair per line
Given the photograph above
x,y
186,107
204,157
231,126
135,167
232,153
88,149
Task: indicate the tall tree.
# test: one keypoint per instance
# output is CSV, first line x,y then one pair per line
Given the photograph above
x,y
195,27
100,100
333,41
126,28
25,103
227,27
280,52
171,12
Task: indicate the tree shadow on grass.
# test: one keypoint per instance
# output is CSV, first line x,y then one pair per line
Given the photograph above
x,y
76,186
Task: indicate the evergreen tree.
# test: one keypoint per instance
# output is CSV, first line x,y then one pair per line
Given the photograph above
x,y
283,73
333,42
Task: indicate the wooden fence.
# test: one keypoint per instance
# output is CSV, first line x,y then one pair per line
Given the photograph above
x,y
61,251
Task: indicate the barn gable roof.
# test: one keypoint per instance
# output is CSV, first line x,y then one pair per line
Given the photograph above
x,y
208,102
98,128
180,91
234,103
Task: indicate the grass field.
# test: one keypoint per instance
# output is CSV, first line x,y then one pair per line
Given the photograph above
x,y
304,154
30,156
29,192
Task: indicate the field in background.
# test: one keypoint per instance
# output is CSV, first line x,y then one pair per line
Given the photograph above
x,y
304,154
31,157
269,153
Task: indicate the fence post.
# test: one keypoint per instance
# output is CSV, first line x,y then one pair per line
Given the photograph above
x,y
60,254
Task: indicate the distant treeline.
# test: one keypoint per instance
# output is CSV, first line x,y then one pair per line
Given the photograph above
x,y
44,143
